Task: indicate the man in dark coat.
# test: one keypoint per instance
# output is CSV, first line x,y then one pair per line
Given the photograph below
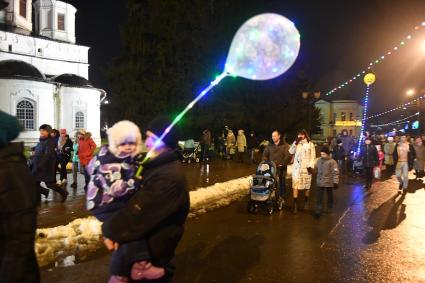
x,y
18,209
158,210
369,156
44,163
278,152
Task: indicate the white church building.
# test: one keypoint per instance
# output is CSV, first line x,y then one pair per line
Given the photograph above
x,y
43,73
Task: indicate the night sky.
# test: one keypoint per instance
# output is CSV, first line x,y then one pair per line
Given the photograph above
x,y
338,39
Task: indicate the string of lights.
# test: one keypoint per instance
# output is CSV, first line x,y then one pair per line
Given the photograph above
x,y
400,107
398,122
378,60
366,102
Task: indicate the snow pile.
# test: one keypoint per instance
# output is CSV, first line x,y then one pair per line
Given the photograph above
x,y
63,245
77,239
218,195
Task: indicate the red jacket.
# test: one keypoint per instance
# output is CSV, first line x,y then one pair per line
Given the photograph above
x,y
86,148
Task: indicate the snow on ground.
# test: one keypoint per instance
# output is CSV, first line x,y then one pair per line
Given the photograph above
x,y
65,244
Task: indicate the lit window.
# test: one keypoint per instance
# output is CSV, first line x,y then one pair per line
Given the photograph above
x,y
25,113
61,21
342,116
351,116
23,8
79,120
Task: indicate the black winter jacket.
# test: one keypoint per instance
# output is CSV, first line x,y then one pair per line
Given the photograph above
x,y
158,210
369,155
338,153
44,161
279,154
18,217
64,153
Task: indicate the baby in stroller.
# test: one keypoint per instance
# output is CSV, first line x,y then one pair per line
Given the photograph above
x,y
263,188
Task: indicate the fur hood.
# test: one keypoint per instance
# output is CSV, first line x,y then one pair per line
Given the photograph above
x,y
124,131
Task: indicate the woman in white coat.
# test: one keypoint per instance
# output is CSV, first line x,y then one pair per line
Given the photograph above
x,y
302,169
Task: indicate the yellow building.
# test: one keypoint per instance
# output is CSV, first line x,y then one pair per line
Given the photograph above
x,y
338,115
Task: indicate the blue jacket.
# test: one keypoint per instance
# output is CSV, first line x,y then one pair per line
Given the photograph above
x,y
44,161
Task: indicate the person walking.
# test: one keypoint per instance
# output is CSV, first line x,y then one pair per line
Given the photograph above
x,y
304,159
18,208
64,149
86,148
389,147
327,180
419,161
205,144
369,158
241,145
44,163
252,145
230,144
348,144
278,152
404,156
75,161
158,210
339,156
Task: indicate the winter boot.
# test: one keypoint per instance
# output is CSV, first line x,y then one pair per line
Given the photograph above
x,y
44,192
62,192
305,203
145,270
295,206
118,279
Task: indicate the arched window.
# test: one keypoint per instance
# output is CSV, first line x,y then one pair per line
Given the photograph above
x,y
25,113
79,120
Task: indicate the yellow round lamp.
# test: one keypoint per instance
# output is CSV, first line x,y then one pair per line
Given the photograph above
x,y
369,78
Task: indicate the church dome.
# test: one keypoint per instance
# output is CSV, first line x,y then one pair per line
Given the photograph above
x,y
71,80
19,69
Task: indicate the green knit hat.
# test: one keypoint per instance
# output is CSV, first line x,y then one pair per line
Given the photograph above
x,y
9,128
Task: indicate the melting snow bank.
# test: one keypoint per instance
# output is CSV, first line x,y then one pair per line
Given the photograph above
x,y
65,244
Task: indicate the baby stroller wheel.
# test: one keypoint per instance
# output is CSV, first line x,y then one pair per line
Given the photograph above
x,y
251,207
270,209
197,160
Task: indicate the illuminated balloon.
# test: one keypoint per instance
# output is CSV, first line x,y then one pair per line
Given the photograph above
x,y
369,78
264,47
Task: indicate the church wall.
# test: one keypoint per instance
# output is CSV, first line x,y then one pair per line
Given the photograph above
x,y
50,67
85,100
39,93
47,55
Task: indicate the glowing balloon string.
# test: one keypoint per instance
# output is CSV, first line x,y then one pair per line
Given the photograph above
x,y
179,117
188,107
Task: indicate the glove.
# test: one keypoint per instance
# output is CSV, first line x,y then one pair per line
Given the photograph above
x,y
310,170
335,186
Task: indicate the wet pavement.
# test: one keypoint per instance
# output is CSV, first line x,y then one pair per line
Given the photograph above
x,y
52,212
372,236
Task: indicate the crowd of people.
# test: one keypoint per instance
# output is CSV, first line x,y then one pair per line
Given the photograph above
x,y
53,153
143,238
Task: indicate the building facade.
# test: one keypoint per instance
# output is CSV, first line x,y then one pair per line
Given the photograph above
x,y
339,115
43,73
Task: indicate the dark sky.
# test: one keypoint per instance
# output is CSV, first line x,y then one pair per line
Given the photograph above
x,y
338,38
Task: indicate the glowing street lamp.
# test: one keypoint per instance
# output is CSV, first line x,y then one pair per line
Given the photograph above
x,y
410,92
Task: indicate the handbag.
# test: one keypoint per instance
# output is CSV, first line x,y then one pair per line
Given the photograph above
x,y
377,172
